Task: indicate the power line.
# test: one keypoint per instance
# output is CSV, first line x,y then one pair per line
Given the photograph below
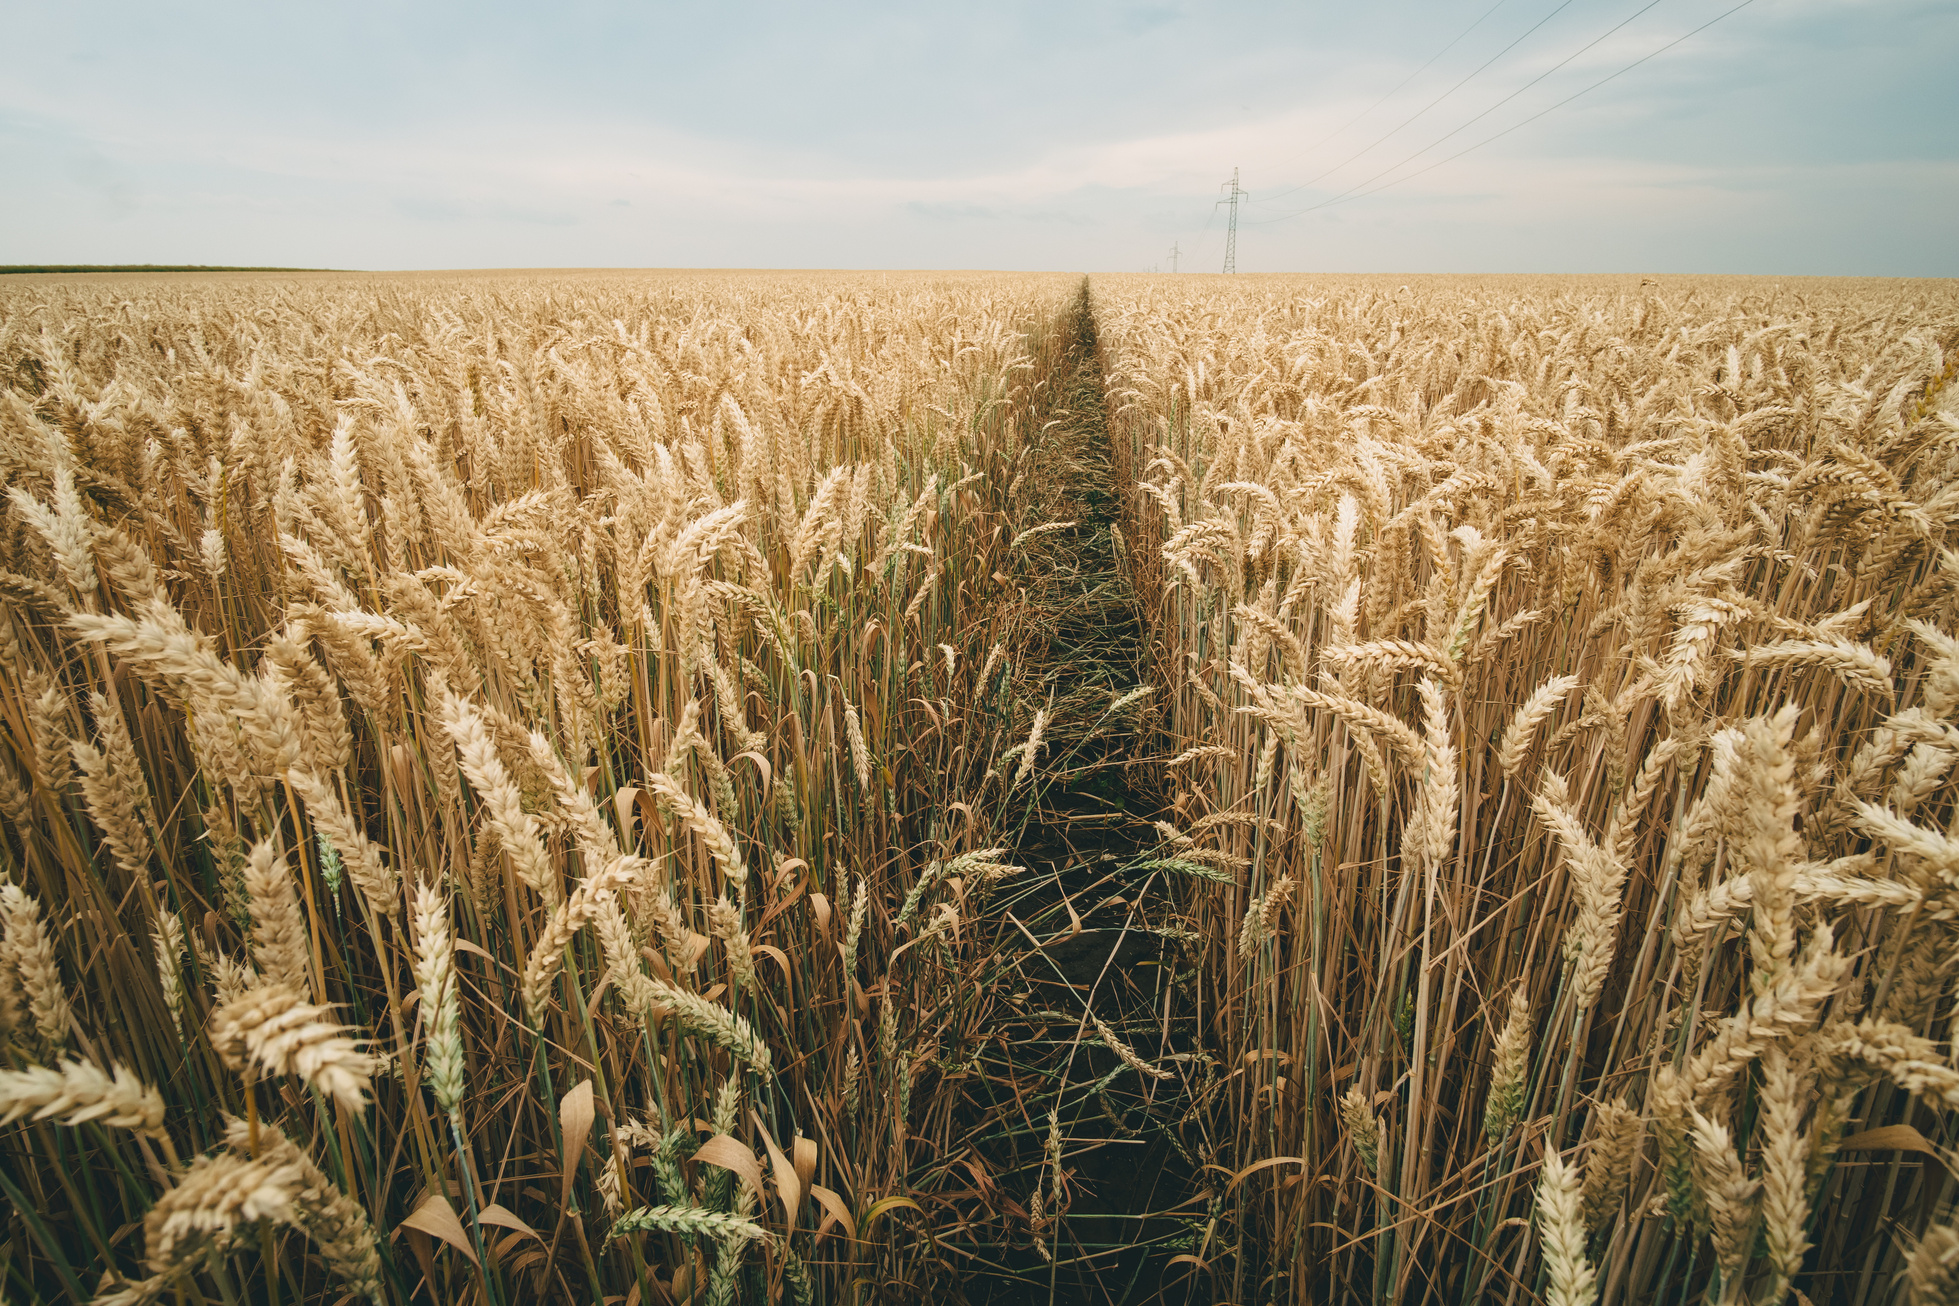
x,y
1339,131
1563,5
1345,196
1204,231
1478,118
1357,193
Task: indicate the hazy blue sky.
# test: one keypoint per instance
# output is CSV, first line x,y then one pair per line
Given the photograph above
x,y
1792,136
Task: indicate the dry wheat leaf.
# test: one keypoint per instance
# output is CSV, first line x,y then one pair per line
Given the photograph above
x,y
883,1204
575,1113
732,1154
788,1184
1887,1138
464,945
776,955
437,1218
624,804
761,765
1252,1169
835,1211
504,1218
805,1149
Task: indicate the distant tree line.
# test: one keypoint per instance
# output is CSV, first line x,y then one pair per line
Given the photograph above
x,y
138,267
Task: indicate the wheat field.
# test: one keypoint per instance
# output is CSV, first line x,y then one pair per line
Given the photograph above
x,y
709,788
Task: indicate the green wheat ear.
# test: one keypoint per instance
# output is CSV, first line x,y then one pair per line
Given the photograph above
x,y
689,1220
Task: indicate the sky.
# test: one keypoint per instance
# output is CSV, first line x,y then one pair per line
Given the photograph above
x,y
1787,137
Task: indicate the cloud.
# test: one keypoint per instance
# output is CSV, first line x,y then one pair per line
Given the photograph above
x,y
1148,18
112,189
1049,134
951,211
425,208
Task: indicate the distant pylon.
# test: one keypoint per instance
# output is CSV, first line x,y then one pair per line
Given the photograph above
x,y
1173,256
1231,227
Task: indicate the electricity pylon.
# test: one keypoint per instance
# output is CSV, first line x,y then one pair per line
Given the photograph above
x,y
1232,196
1173,255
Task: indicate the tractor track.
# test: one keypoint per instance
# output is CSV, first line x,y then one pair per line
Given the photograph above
x,y
1096,936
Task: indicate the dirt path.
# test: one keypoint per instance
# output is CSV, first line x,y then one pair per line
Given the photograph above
x,y
1087,921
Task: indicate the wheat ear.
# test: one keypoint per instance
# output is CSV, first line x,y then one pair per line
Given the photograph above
x,y
1731,1201
1932,1273
1366,1131
435,977
1617,1131
1029,749
30,951
380,886
696,1220
279,948
860,904
168,940
860,756
115,800
1562,1229
1785,1166
725,921
503,801
333,1220
78,1092
548,955
702,822
717,1024
1509,1068
1535,710
272,1026
1261,917
213,1197
1854,664
1127,1053
624,968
